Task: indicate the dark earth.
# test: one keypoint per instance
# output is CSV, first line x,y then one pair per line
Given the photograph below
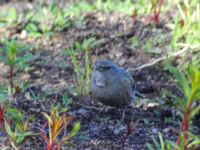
x,y
52,75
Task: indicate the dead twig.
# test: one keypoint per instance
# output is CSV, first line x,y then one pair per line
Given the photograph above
x,y
155,61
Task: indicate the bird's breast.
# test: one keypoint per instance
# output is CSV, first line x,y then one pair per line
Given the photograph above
x,y
99,80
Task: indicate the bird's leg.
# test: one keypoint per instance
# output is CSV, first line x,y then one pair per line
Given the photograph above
x,y
123,114
132,113
138,94
130,116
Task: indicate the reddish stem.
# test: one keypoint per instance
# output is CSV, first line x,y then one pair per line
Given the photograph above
x,y
184,127
11,78
2,113
50,146
12,85
156,18
157,11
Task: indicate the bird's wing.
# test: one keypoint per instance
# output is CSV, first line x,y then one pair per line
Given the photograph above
x,y
131,81
128,82
128,77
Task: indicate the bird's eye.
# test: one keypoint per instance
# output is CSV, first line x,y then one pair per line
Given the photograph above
x,y
104,68
107,68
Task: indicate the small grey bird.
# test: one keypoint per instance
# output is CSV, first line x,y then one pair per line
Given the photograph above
x,y
112,85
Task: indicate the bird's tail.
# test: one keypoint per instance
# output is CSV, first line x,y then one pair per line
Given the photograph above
x,y
136,94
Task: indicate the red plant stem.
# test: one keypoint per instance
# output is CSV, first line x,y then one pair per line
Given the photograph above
x,y
161,2
185,126
50,146
11,75
58,146
11,78
2,112
157,11
156,18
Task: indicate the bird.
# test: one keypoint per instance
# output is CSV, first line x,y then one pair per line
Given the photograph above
x,y
111,84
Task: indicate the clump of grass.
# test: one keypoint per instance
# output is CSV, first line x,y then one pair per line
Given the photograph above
x,y
189,85
156,6
162,144
82,81
12,56
57,124
186,26
46,19
16,126
8,17
191,91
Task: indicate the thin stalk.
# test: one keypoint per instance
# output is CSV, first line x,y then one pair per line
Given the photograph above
x,y
50,146
11,81
11,78
87,71
185,126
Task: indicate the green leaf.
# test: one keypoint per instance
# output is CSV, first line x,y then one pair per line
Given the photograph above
x,y
182,143
29,16
146,121
12,14
156,144
172,144
182,104
161,141
29,133
9,131
24,59
32,27
66,100
15,114
69,52
49,119
19,127
35,34
193,140
87,43
53,8
150,147
195,110
75,129
78,45
182,80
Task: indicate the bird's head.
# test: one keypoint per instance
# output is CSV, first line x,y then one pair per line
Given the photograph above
x,y
107,69
105,66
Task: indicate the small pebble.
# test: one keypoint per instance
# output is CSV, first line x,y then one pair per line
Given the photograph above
x,y
166,130
154,130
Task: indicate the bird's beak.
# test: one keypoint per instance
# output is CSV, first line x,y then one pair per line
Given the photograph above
x,y
99,68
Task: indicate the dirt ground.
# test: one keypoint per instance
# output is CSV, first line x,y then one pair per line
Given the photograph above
x,y
52,75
